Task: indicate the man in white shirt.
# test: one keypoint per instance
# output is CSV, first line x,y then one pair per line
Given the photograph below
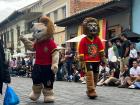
x,y
134,75
135,70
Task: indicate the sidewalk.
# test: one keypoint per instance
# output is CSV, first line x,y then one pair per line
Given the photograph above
x,y
70,93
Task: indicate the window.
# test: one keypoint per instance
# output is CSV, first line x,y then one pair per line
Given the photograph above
x,y
18,34
114,31
29,26
76,1
55,15
5,41
64,12
48,15
12,35
2,38
12,39
7,33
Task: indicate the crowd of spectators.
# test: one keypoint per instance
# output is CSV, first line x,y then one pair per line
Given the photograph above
x,y
21,66
122,68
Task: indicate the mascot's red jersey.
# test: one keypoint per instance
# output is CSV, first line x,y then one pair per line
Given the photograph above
x,y
44,50
90,49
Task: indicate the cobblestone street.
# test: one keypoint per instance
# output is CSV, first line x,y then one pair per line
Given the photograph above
x,y
70,93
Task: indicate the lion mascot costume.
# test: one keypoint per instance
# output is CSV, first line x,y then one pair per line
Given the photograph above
x,y
46,59
91,52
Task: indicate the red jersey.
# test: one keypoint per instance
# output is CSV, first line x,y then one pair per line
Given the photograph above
x,y
90,49
44,51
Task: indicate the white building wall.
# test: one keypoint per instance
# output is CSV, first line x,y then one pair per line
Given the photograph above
x,y
14,27
49,7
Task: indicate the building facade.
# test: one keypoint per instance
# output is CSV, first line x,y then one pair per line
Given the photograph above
x,y
113,15
18,23
61,9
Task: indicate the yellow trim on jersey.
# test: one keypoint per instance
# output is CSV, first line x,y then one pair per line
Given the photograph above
x,y
92,61
81,54
101,50
53,50
90,39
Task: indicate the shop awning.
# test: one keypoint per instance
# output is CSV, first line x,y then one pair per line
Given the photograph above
x,y
132,36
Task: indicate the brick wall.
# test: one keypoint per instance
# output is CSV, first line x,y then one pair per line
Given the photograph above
x,y
78,5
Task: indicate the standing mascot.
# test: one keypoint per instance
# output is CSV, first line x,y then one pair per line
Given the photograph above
x,y
46,59
91,52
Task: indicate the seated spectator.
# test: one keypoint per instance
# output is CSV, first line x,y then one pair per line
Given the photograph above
x,y
76,75
123,76
82,77
76,69
134,75
113,78
82,72
103,74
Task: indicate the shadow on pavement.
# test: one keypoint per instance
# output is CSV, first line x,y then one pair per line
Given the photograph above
x,y
39,103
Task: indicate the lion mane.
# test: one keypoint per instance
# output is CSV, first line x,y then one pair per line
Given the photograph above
x,y
86,21
49,24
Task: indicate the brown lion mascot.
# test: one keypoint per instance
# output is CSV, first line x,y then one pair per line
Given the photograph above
x,y
46,59
91,52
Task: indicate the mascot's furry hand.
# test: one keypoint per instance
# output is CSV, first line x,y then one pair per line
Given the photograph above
x,y
55,61
54,68
28,44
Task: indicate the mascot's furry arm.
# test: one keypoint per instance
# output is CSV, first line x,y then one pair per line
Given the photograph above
x,y
28,44
55,61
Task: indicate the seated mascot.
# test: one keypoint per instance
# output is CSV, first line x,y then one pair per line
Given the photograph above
x,y
91,52
46,59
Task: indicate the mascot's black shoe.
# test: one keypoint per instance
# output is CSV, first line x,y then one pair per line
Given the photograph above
x,y
93,97
91,94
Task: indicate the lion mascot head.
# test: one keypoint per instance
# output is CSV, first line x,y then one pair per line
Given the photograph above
x,y
44,29
91,27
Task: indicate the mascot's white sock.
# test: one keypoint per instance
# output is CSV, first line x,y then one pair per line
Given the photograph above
x,y
36,92
48,95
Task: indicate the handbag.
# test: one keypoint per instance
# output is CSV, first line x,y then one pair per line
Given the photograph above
x,y
10,97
